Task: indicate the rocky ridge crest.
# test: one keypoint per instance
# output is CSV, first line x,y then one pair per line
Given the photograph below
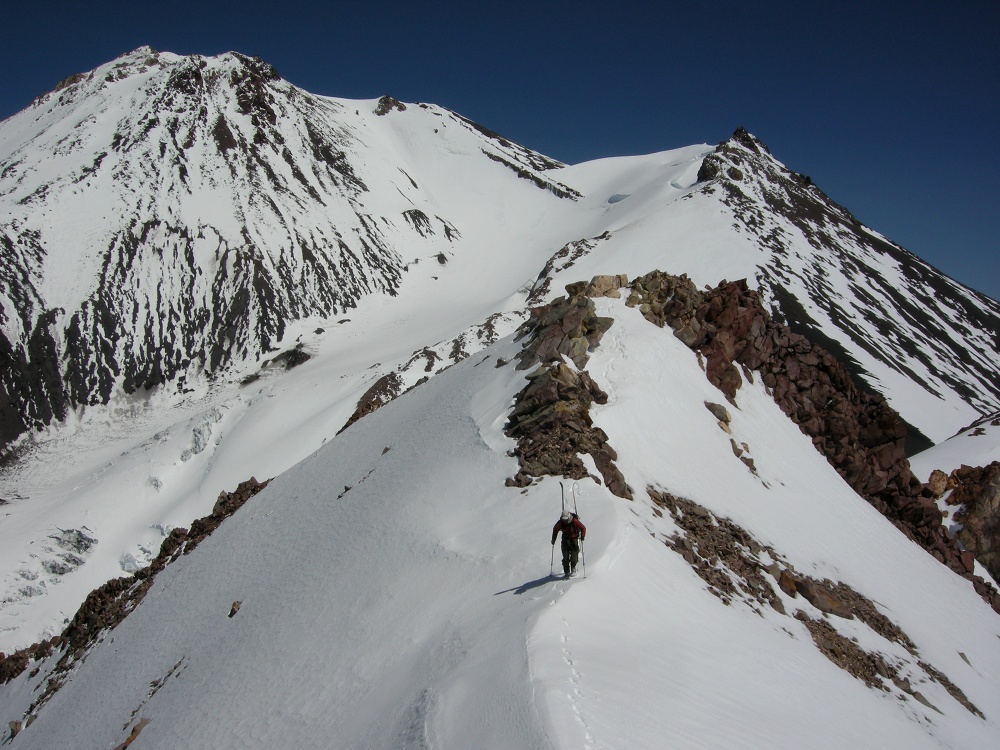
x,y
886,304
736,339
551,416
856,430
975,490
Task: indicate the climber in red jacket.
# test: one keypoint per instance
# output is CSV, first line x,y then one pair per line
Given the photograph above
x,y
573,532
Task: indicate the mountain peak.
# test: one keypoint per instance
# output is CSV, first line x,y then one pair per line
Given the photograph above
x,y
748,140
262,204
144,51
741,146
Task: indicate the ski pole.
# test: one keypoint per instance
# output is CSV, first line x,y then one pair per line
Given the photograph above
x,y
552,562
583,559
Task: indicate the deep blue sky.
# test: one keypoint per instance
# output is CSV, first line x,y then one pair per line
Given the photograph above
x,y
893,108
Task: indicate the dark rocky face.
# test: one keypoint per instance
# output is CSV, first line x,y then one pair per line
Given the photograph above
x,y
977,491
922,318
856,430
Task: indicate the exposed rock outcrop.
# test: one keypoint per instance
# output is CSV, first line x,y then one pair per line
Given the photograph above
x,y
977,491
136,730
429,360
870,667
552,425
938,483
387,104
906,319
724,555
732,563
384,390
566,326
857,431
551,416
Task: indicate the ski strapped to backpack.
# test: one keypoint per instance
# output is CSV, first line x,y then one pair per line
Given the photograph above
x,y
576,514
583,554
575,489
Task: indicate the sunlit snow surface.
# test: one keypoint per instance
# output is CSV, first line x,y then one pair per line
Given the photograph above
x,y
402,598
414,609
127,473
976,445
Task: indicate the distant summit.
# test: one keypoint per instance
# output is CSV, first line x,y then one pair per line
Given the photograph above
x,y
200,206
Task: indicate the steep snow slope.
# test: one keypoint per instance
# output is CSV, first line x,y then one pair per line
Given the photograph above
x,y
180,230
166,216
124,474
975,445
395,594
926,343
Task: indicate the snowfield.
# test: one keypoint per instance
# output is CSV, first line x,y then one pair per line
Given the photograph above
x,y
976,445
393,591
395,594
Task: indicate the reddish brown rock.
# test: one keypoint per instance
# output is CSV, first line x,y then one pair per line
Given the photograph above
x,y
857,431
552,425
937,484
977,490
551,415
823,598
787,583
567,326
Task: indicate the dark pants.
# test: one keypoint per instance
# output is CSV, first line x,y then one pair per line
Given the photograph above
x,y
571,554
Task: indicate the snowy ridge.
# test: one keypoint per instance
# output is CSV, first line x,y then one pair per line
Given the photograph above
x,y
395,593
978,444
207,270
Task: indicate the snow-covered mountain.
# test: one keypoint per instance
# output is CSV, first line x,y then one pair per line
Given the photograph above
x,y
393,592
209,273
166,218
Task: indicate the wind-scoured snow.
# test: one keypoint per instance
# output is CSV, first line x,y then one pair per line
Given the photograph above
x,y
467,230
